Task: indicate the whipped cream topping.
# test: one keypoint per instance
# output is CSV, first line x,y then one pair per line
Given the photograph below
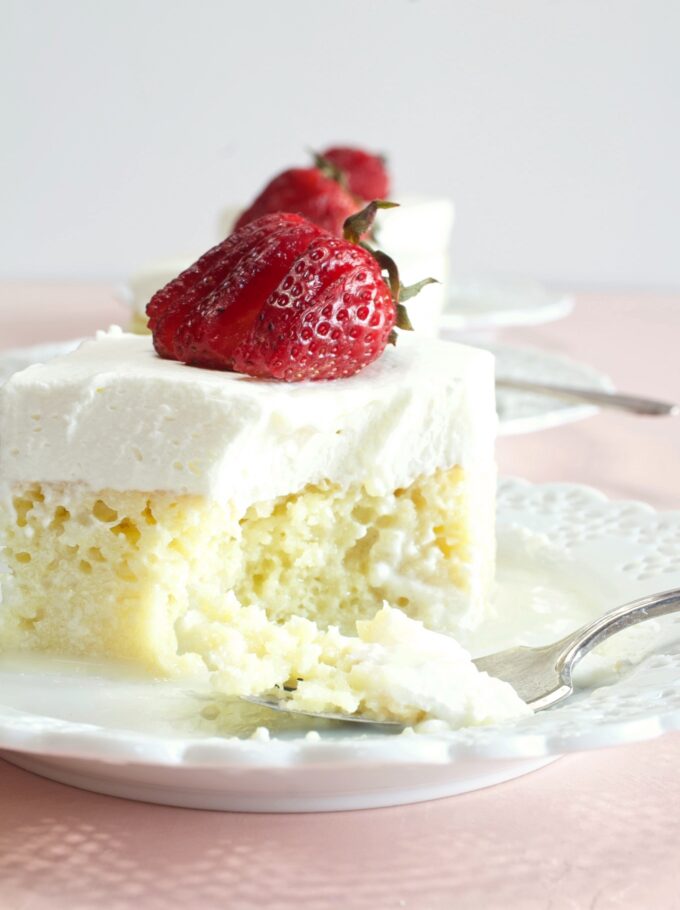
x,y
113,415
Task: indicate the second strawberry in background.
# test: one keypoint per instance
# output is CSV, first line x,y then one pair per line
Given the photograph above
x,y
340,180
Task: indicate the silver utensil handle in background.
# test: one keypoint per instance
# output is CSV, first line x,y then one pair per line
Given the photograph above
x,y
575,646
646,406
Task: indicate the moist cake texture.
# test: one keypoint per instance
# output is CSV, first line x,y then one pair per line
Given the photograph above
x,y
392,668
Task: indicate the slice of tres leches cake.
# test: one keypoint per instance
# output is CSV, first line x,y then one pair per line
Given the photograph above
x,y
139,494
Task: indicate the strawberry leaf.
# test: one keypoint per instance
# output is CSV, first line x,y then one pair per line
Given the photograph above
x,y
407,292
361,222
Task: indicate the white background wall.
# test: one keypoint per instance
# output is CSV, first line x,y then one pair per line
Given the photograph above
x,y
555,124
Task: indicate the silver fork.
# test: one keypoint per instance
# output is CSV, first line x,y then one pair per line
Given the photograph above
x,y
542,677
648,407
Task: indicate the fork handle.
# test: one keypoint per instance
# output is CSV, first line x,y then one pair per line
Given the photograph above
x,y
649,407
575,646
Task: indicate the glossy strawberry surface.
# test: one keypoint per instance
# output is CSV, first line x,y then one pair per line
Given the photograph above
x,y
366,174
329,317
307,192
280,298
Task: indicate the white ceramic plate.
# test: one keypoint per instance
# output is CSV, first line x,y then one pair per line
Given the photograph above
x,y
565,554
519,412
486,301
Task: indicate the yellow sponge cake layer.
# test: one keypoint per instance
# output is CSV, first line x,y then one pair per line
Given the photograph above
x,y
111,573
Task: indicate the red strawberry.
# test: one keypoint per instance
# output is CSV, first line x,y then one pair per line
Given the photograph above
x,y
281,299
366,174
308,192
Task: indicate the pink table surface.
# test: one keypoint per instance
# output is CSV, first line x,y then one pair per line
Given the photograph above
x,y
598,830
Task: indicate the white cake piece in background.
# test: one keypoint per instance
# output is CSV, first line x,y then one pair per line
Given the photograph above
x,y
137,492
417,235
148,279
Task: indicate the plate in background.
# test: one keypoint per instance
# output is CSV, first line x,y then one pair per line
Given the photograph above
x,y
486,301
525,412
